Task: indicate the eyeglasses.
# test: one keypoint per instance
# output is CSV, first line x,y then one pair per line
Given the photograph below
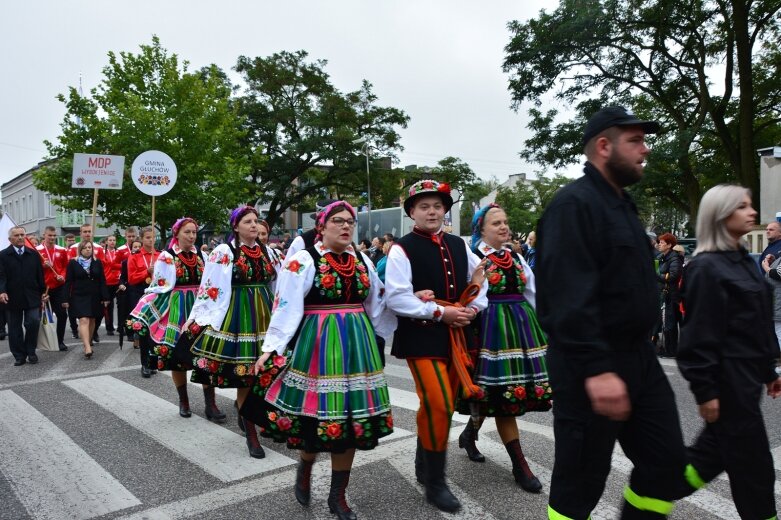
x,y
339,221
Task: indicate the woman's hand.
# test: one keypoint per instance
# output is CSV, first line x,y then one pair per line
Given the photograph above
x,y
478,276
259,364
425,295
187,324
121,287
709,410
774,388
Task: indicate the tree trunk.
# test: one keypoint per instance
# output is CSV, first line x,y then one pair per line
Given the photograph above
x,y
748,172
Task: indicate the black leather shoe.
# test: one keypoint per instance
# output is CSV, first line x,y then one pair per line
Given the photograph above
x,y
2,336
96,338
145,372
32,359
75,335
110,333
19,362
467,441
63,347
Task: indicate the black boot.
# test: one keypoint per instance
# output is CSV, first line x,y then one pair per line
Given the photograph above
x,y
437,492
212,412
523,475
420,467
337,502
253,444
629,512
184,401
241,423
303,488
467,441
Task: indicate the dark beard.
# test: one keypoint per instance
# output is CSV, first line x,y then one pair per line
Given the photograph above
x,y
621,172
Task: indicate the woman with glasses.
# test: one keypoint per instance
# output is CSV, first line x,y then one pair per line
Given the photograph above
x,y
332,397
231,314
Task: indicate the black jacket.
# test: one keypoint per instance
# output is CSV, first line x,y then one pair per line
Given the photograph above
x,y
21,276
596,285
728,313
85,290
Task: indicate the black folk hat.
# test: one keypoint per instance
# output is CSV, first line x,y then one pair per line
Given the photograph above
x,y
428,187
615,116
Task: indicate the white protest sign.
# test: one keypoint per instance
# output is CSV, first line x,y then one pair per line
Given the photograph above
x,y
95,171
154,173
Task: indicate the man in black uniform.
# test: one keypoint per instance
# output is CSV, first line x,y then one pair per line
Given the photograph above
x,y
598,309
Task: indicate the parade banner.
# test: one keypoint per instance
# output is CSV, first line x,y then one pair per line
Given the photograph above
x,y
95,171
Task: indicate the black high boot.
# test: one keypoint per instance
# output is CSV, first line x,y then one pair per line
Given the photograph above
x,y
303,488
253,444
337,502
212,412
420,465
467,441
523,475
184,401
437,492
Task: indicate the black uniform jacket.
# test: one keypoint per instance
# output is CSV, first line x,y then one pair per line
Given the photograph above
x,y
728,314
21,276
596,286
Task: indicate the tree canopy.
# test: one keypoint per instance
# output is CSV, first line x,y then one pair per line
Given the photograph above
x,y
525,202
150,101
706,69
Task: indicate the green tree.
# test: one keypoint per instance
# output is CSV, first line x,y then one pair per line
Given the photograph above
x,y
471,199
701,67
305,129
525,202
149,101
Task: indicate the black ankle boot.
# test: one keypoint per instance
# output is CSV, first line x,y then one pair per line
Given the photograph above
x,y
467,441
420,467
437,492
212,412
523,475
303,488
253,444
184,401
337,502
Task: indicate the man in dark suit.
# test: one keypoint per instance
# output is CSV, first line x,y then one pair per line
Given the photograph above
x,y
22,288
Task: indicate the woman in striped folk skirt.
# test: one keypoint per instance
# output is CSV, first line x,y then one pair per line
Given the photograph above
x,y
159,315
510,359
231,313
328,392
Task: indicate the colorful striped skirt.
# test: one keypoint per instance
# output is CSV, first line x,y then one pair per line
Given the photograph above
x,y
226,357
510,366
332,395
161,317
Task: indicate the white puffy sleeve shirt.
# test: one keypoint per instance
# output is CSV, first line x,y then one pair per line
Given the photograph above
x,y
214,294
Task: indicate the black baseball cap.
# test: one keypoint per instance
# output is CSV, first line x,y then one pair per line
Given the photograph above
x,y
615,116
320,206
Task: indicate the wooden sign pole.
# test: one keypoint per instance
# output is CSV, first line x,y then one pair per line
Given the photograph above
x,y
94,208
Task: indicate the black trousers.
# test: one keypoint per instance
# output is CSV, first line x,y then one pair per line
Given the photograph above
x,y
2,318
112,293
737,442
57,298
651,438
23,342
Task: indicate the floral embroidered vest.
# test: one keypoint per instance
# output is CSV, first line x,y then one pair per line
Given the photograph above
x,y
189,267
503,278
333,283
251,265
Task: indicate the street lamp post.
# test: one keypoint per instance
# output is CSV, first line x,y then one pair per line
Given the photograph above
x,y
365,149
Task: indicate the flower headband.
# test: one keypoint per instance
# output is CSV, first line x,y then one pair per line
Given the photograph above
x,y
177,226
327,210
477,223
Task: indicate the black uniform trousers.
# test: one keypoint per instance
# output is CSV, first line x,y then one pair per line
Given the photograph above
x,y
737,442
112,294
22,342
651,438
56,299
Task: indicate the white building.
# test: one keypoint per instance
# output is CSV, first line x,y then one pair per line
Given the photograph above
x,y
510,183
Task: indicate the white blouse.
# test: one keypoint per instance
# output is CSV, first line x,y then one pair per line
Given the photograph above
x,y
165,271
214,294
530,293
294,283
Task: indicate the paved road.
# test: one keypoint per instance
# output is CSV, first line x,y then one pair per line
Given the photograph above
x,y
92,439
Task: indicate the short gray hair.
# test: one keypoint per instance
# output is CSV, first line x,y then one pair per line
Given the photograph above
x,y
11,231
716,206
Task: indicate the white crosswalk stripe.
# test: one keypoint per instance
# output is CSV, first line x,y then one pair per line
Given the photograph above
x,y
44,484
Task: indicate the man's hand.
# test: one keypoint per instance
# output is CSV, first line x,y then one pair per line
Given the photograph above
x,y
609,396
774,388
709,410
456,317
3,297
45,297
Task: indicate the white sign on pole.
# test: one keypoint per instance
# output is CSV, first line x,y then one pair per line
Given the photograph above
x,y
154,173
96,171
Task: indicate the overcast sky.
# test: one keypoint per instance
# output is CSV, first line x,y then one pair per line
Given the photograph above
x,y
439,61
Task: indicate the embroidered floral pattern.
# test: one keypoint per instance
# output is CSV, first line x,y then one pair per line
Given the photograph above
x,y
208,291
497,277
331,283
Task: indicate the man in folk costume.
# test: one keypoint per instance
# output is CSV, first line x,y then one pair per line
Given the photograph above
x,y
429,260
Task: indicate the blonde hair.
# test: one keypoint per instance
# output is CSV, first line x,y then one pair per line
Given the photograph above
x,y
716,206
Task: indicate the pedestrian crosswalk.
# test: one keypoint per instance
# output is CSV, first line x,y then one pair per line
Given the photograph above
x,y
49,474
